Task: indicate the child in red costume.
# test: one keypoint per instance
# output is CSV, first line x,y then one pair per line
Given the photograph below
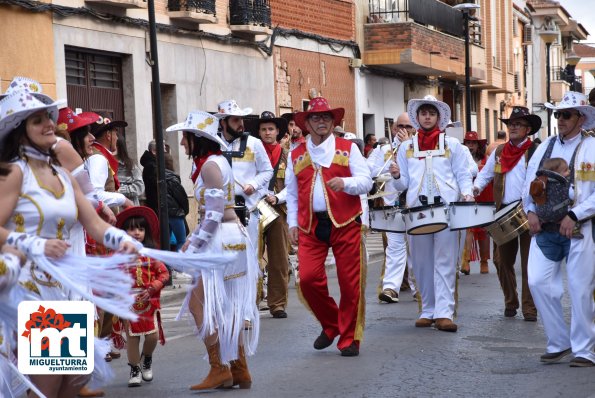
x,y
149,277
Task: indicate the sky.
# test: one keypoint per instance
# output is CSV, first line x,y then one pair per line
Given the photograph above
x,y
583,12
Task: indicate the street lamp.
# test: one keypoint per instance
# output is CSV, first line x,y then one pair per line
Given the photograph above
x,y
467,9
548,36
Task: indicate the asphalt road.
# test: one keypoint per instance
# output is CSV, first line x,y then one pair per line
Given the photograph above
x,y
490,356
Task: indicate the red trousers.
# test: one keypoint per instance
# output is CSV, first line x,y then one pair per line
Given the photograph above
x,y
346,320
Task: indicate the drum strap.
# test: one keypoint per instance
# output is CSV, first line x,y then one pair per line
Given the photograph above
x,y
429,173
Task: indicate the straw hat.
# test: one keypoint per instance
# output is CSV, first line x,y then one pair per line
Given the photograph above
x,y
580,102
18,106
141,211
230,108
202,124
318,105
443,110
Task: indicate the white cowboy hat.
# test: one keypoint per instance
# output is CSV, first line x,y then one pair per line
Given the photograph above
x,y
443,110
578,101
18,106
202,124
20,83
230,108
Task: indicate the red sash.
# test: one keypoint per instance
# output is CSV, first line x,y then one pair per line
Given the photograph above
x,y
274,152
111,160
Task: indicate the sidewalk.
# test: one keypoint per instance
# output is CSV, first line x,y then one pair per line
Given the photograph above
x,y
181,281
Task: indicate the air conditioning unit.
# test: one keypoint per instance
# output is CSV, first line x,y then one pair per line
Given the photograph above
x,y
355,62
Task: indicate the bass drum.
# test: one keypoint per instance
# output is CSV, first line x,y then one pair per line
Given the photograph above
x,y
510,222
428,219
464,215
387,219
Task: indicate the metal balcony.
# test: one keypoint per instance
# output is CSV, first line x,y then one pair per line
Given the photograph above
x,y
250,17
198,11
120,3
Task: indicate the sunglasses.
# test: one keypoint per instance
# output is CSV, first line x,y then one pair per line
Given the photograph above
x,y
566,115
404,126
325,116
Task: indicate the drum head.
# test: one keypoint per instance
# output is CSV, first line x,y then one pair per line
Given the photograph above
x,y
427,229
505,210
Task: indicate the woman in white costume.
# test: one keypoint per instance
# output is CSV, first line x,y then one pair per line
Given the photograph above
x,y
40,203
220,298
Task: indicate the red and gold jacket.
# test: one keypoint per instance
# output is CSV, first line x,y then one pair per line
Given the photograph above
x,y
342,207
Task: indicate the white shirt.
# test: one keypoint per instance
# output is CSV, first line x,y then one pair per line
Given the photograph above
x,y
98,173
359,183
451,174
514,181
253,169
377,163
560,150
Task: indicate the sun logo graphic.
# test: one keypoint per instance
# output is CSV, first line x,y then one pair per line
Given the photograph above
x,y
56,337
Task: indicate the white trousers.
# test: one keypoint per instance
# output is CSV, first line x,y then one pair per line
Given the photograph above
x,y
434,261
396,261
545,282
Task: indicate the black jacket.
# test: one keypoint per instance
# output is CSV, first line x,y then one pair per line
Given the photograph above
x,y
149,163
177,199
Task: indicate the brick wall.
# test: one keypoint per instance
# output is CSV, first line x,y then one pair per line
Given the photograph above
x,y
328,18
406,35
331,76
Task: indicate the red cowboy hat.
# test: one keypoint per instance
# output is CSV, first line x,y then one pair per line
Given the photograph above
x,y
70,121
141,211
318,105
473,136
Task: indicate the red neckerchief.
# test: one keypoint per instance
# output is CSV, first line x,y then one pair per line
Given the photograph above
x,y
428,140
298,141
199,162
111,161
274,152
511,154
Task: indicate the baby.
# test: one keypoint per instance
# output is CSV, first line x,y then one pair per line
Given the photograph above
x,y
558,166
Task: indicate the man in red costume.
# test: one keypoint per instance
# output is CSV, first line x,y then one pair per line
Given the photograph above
x,y
324,179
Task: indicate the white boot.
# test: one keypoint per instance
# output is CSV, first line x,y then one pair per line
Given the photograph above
x,y
146,368
135,376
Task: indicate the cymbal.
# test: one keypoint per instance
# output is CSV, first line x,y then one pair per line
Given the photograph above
x,y
381,194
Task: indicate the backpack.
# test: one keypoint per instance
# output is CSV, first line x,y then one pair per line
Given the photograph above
x,y
552,201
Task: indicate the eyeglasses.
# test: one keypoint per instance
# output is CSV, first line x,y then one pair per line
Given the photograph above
x,y
325,117
405,126
565,114
517,125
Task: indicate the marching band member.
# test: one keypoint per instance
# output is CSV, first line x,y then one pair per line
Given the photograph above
x,y
507,167
549,241
433,168
395,263
271,129
324,179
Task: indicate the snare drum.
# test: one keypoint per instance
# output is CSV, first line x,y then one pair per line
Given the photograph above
x,y
464,215
387,219
428,219
510,222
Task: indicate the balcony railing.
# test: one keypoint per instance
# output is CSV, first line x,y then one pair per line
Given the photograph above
x,y
199,6
425,12
250,12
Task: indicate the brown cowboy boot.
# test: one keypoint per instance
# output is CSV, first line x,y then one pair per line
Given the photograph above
x,y
219,374
484,253
239,370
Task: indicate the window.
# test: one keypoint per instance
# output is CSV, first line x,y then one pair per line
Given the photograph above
x,y
495,125
474,101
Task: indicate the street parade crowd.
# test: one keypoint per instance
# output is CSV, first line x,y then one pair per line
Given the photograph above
x,y
267,185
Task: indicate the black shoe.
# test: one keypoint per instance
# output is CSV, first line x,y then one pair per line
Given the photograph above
x,y
509,313
580,362
351,351
279,314
551,357
322,341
